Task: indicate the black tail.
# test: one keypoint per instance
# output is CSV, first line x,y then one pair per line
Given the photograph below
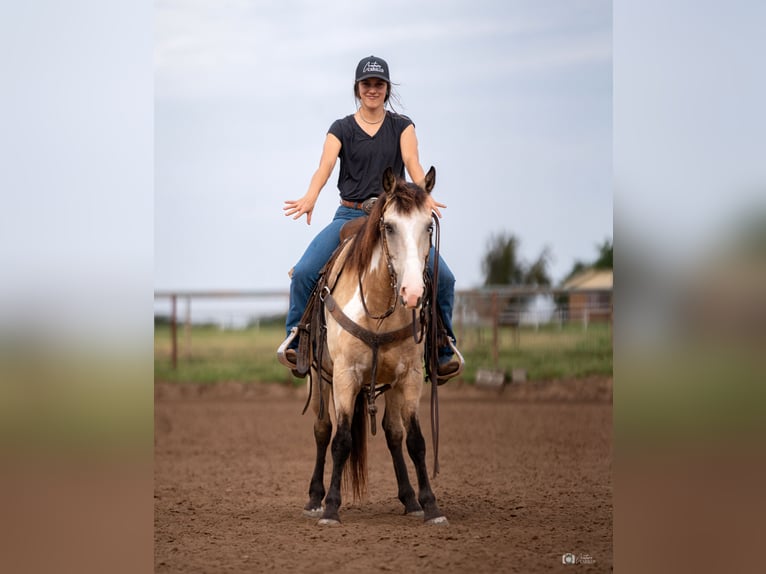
x,y
355,473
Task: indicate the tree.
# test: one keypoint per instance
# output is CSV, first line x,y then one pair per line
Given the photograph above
x,y
605,256
502,264
603,261
537,274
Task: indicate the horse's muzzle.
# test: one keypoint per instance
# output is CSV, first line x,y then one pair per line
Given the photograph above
x,y
411,302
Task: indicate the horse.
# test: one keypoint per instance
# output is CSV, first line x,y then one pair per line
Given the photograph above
x,y
373,346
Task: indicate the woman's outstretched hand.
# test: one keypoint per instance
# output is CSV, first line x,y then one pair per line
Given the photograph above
x,y
434,205
298,207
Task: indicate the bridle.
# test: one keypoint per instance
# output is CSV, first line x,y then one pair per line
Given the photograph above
x,y
393,279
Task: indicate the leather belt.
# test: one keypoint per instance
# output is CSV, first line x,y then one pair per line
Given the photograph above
x,y
365,205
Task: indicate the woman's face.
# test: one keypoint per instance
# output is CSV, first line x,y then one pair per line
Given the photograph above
x,y
372,92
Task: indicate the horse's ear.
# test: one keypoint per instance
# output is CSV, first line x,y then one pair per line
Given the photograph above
x,y
430,179
389,180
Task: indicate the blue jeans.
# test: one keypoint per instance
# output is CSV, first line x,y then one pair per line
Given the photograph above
x,y
306,274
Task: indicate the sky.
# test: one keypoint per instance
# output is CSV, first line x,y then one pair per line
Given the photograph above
x,y
512,102
149,145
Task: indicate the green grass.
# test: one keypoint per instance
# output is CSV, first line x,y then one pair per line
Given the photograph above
x,y
547,353
214,355
249,355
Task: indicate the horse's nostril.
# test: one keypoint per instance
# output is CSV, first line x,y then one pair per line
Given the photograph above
x,y
410,302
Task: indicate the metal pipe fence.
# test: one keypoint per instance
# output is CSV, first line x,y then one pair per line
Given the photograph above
x,y
489,308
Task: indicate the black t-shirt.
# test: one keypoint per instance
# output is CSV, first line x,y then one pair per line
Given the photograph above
x,y
363,159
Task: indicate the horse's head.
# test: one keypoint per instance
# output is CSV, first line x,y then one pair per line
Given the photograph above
x,y
405,227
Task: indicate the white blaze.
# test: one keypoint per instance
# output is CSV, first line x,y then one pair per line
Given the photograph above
x,y
407,246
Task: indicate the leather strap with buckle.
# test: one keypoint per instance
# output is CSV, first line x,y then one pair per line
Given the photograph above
x,y
365,205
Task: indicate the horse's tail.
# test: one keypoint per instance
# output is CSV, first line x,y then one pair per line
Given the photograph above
x,y
356,469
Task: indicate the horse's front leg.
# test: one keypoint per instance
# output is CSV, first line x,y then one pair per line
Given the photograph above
x,y
392,425
322,435
416,447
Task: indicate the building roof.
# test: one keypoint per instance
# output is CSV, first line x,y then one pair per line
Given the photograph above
x,y
591,280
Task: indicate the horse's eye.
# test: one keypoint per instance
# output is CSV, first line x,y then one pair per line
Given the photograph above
x,y
388,227
430,228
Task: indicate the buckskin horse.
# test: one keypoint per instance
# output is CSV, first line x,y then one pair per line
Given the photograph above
x,y
372,322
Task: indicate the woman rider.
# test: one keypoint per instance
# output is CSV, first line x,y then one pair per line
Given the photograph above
x,y
367,142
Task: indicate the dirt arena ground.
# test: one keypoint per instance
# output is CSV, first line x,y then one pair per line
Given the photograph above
x,y
526,476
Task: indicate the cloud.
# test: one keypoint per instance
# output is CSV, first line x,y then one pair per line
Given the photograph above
x,y
236,49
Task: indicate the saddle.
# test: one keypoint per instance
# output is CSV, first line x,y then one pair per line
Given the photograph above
x,y
311,329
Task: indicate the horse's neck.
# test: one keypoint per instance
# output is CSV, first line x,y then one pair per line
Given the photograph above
x,y
376,285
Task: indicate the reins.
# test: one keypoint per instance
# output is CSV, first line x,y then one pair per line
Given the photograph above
x,y
433,359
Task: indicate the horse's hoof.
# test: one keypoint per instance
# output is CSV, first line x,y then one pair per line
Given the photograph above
x,y
328,522
438,521
313,512
415,513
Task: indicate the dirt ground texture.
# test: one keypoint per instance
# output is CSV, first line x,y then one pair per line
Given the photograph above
x,y
526,476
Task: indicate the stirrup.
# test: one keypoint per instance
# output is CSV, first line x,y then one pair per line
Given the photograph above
x,y
440,380
284,346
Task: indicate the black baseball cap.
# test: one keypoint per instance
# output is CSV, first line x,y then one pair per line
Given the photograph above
x,y
372,67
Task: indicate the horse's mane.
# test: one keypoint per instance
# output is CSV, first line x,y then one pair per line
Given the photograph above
x,y
405,197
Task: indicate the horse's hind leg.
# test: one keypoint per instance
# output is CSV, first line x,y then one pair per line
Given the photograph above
x,y
416,446
322,435
392,425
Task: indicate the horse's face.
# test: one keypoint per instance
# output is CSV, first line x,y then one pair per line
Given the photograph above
x,y
407,235
408,238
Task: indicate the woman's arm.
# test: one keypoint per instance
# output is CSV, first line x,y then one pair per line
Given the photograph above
x,y
305,205
409,144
